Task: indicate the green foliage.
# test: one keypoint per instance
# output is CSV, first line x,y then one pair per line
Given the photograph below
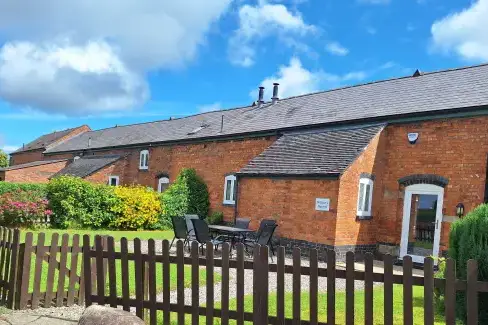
x,y
39,189
3,159
78,203
215,218
136,207
468,239
187,195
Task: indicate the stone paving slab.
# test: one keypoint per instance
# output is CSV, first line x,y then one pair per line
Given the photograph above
x,y
31,319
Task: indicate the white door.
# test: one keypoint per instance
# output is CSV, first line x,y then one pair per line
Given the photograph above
x,y
422,218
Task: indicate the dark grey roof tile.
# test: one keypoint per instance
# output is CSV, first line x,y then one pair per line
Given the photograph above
x,y
88,165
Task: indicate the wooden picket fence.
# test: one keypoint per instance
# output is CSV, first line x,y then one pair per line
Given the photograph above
x,y
9,251
50,275
146,304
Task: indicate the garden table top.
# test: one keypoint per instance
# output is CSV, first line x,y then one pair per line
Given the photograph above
x,y
229,229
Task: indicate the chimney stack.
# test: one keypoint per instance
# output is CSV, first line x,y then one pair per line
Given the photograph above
x,y
275,97
261,96
89,142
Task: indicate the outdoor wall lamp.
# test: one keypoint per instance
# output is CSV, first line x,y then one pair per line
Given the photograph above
x,y
460,210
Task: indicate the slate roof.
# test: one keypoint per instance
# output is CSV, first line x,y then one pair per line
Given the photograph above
x,y
32,164
44,140
312,153
86,166
433,92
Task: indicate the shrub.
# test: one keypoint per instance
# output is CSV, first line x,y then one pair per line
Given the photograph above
x,y
3,159
215,218
468,240
39,189
23,208
187,195
78,203
136,207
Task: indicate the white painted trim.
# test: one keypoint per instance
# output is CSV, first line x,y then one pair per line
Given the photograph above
x,y
161,181
427,189
361,212
116,180
142,159
233,179
76,158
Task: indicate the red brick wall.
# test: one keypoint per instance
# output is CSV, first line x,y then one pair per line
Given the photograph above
x,y
212,161
456,149
292,204
116,169
26,157
350,231
35,174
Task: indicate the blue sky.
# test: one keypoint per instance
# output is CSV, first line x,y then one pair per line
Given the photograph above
x,y
63,64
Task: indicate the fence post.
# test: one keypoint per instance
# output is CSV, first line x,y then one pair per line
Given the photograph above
x,y
472,292
24,272
14,265
87,270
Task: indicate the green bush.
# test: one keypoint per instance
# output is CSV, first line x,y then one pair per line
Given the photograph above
x,y
468,239
23,209
38,189
215,218
187,195
78,203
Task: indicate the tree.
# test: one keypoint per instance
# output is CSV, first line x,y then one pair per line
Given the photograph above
x,y
3,159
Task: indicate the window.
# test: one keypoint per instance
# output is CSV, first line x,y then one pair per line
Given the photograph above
x,y
230,189
163,184
365,197
144,159
113,180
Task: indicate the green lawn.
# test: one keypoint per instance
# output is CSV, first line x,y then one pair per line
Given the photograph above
x,y
378,306
117,234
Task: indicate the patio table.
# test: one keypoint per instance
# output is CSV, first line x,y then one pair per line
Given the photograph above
x,y
235,234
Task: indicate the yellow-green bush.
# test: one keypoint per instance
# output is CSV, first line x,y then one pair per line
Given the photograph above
x,y
137,207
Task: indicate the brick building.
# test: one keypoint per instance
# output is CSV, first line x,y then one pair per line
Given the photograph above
x,y
384,166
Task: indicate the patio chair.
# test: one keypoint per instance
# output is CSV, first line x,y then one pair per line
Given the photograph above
x,y
189,226
264,237
202,234
180,230
262,224
242,223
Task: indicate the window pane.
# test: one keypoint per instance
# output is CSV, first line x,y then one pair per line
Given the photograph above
x,y
366,198
228,190
361,197
146,164
113,182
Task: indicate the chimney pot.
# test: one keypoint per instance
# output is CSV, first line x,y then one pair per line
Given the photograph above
x,y
261,96
275,97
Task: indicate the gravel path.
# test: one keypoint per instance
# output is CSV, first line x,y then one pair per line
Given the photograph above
x,y
248,276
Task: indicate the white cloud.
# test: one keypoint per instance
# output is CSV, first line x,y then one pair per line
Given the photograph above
x,y
464,32
9,149
93,56
259,22
336,49
294,80
62,78
210,107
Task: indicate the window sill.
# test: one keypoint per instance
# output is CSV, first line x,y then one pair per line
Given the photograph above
x,y
228,203
143,169
363,218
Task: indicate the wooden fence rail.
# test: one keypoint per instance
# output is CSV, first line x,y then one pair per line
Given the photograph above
x,y
146,305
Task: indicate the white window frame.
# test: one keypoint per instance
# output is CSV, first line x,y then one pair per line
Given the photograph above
x,y
161,181
76,158
144,159
361,212
110,178
233,180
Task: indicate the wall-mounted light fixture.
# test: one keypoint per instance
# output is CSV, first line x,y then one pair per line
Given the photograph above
x,y
460,210
412,137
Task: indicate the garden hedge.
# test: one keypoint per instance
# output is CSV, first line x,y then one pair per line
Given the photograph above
x,y
6,187
468,239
